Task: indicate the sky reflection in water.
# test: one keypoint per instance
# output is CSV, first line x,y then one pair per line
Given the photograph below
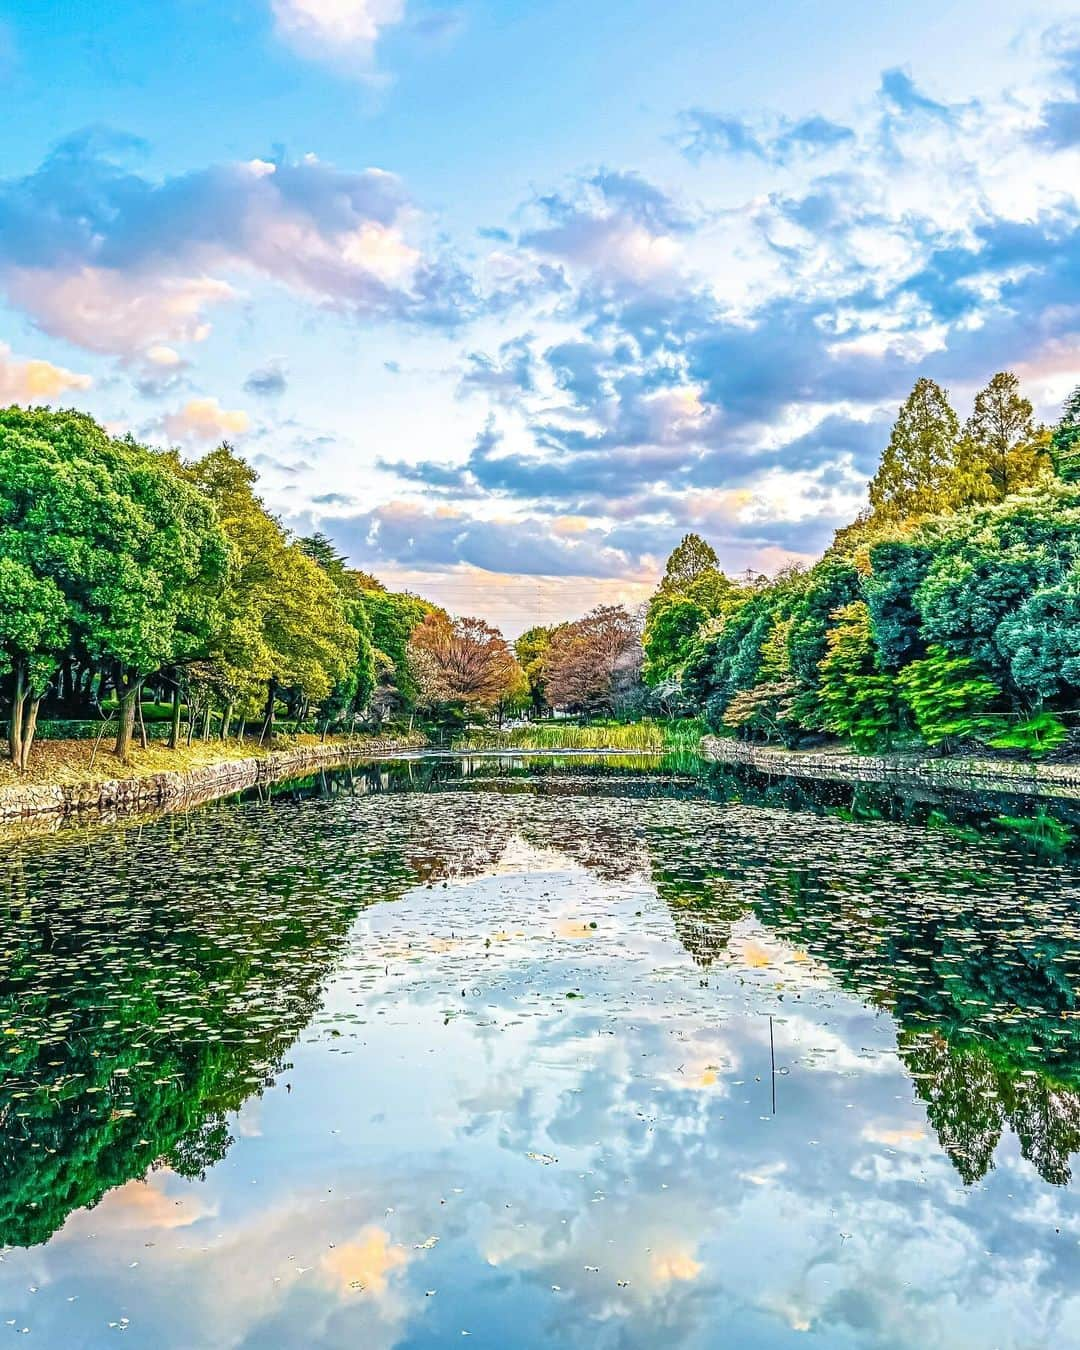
x,y
530,1098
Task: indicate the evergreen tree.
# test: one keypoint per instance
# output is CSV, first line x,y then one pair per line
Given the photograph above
x,y
1065,440
915,474
689,560
1002,450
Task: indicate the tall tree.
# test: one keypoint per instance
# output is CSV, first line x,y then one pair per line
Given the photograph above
x,y
1003,450
1065,440
531,650
395,616
915,473
463,662
135,551
33,631
591,662
689,561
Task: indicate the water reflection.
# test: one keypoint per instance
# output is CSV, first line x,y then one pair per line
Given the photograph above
x,y
246,1101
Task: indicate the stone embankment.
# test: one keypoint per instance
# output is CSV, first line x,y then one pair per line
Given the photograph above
x,y
189,786
959,771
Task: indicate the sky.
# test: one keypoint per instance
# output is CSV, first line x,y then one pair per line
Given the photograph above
x,y
507,297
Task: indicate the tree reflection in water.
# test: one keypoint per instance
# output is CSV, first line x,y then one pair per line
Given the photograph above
x,y
154,976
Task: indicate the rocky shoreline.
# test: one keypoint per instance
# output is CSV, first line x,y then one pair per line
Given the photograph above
x,y
1048,780
189,786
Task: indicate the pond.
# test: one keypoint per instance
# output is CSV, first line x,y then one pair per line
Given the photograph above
x,y
544,1052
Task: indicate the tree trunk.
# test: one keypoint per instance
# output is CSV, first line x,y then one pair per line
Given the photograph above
x,y
15,723
142,723
206,723
128,691
268,725
226,718
29,727
174,729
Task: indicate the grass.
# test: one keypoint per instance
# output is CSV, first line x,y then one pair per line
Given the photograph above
x,y
68,762
630,736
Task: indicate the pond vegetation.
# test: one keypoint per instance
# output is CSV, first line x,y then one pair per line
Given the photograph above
x,y
466,1044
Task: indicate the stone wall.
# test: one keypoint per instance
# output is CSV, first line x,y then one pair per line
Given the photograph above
x,y
200,784
957,771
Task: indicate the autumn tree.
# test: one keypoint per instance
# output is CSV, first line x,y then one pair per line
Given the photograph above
x,y
463,662
592,661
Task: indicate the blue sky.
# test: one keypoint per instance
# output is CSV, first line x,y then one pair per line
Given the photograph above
x,y
507,297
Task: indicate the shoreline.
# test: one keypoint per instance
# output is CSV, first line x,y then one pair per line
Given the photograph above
x,y
193,786
49,804
926,770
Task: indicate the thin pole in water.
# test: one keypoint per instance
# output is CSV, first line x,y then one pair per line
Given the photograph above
x,y
772,1057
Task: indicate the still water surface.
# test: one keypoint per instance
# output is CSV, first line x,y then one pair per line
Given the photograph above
x,y
544,1053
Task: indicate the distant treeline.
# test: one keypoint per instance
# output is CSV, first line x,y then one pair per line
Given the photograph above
x,y
948,613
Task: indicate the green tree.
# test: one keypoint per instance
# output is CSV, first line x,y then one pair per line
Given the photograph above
x,y
671,626
135,550
33,631
395,616
916,470
948,696
531,650
1065,440
1003,450
690,561
354,692
1041,641
857,698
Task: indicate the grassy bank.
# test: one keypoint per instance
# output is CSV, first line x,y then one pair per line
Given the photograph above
x,y
630,736
66,763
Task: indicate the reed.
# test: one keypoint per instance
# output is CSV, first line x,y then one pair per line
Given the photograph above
x,y
630,736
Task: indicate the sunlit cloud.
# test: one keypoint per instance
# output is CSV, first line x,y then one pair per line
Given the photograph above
x,y
35,381
204,419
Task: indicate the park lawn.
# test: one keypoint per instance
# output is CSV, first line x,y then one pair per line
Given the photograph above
x,y
67,762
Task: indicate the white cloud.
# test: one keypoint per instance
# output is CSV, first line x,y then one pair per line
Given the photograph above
x,y
203,420
343,32
122,264
33,381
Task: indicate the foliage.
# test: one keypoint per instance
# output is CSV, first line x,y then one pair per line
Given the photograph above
x,y
692,591
671,627
531,650
858,701
1003,451
954,602
947,696
463,662
916,473
591,662
766,712
1065,440
135,550
394,616
1036,735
